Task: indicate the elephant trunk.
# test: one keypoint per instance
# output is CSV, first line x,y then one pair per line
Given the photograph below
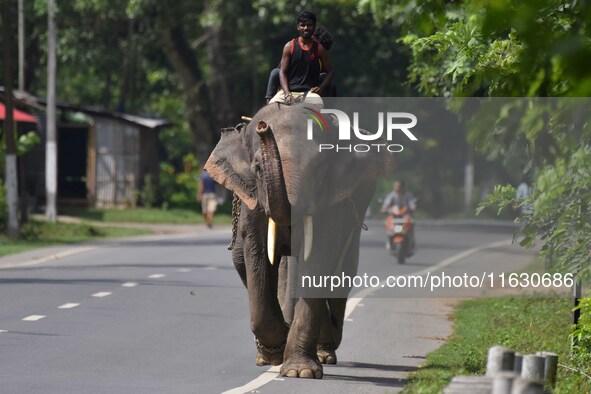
x,y
278,202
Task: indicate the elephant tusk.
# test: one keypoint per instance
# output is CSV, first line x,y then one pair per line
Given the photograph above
x,y
308,236
271,239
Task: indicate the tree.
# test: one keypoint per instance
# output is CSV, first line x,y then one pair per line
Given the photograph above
x,y
516,48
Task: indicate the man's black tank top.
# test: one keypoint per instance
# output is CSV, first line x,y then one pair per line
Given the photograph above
x,y
304,70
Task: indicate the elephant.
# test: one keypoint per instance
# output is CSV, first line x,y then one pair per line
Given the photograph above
x,y
297,209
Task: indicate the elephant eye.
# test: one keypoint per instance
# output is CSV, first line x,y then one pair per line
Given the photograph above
x,y
258,171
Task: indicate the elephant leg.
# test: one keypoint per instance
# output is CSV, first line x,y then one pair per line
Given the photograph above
x,y
331,330
300,359
266,318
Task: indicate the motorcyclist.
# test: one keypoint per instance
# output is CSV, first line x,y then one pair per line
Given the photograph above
x,y
397,199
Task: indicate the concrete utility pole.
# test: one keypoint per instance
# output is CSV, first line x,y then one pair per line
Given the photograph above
x,y
11,169
469,178
51,144
21,45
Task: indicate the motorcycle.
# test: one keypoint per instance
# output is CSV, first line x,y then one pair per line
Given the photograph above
x,y
399,227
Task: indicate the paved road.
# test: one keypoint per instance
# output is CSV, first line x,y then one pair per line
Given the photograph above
x,y
170,315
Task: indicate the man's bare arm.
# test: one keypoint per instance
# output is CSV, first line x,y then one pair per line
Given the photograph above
x,y
285,60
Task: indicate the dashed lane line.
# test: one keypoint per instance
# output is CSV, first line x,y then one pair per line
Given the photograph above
x,y
130,284
33,318
68,305
156,276
102,294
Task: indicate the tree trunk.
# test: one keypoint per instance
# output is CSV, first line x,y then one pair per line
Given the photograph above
x,y
21,45
11,167
182,59
128,69
224,113
51,145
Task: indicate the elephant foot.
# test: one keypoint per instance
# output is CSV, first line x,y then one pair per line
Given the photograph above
x,y
326,356
269,356
298,367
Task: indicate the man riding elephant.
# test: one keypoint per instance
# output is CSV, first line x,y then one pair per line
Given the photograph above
x,y
301,63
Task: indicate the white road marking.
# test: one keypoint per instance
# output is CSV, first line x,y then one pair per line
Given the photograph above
x,y
267,376
210,268
2,331
57,256
102,294
33,318
68,306
184,270
156,276
273,372
72,251
353,302
130,284
348,319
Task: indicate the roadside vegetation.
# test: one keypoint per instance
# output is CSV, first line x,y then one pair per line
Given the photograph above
x,y
532,50
36,234
522,324
525,324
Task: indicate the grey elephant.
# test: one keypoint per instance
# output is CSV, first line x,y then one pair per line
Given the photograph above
x,y
293,200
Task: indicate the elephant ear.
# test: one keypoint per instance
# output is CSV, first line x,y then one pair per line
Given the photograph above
x,y
229,165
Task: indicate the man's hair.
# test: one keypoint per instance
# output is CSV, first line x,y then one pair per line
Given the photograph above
x,y
305,16
323,37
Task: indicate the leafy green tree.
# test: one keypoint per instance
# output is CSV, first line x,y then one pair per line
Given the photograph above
x,y
514,48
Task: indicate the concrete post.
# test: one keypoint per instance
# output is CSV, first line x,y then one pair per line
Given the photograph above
x,y
533,367
550,367
499,359
503,382
525,386
517,363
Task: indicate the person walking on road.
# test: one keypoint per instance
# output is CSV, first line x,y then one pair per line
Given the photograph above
x,y
208,198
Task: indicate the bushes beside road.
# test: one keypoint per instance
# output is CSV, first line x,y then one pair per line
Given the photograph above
x,y
524,324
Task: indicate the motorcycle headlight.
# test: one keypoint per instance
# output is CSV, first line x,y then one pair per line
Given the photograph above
x,y
398,228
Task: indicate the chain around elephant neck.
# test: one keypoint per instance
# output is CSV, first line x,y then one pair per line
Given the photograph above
x,y
235,217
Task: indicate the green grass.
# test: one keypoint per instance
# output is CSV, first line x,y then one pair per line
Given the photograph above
x,y
144,215
526,325
40,234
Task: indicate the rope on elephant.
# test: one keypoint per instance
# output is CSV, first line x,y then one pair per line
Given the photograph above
x,y
357,217
235,217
